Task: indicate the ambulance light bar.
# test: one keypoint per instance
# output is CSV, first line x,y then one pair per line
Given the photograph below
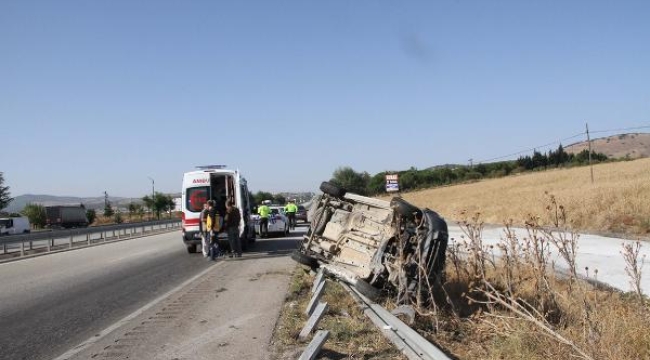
x,y
211,167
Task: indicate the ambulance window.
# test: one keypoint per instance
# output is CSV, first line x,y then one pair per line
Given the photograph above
x,y
196,197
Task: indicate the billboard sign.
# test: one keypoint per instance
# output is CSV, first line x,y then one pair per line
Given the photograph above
x,y
392,183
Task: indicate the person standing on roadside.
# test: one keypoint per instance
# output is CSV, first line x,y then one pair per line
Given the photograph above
x,y
290,209
231,222
213,225
264,211
203,230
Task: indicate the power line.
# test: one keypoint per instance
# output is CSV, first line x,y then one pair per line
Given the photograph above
x,y
562,140
622,129
532,149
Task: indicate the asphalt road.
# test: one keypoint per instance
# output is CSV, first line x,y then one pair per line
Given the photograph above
x,y
50,304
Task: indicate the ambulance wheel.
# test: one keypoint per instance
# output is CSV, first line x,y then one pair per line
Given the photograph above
x,y
191,249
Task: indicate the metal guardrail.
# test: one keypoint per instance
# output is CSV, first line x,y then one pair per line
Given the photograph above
x,y
407,340
56,239
413,345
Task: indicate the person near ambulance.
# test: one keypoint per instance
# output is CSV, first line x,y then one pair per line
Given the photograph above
x,y
291,209
213,226
231,223
203,230
264,211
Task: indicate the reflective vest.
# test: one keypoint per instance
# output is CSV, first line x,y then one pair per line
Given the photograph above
x,y
213,224
291,208
264,211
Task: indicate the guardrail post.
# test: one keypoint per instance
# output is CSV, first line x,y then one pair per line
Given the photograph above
x,y
4,248
318,314
22,249
312,350
88,238
70,241
113,233
31,245
315,298
103,236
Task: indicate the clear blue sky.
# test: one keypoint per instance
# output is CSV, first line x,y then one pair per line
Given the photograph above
x,y
100,95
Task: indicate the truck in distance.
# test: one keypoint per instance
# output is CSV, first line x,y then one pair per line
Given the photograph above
x,y
65,216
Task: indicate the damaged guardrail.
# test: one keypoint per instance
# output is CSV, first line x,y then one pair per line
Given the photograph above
x,y
408,341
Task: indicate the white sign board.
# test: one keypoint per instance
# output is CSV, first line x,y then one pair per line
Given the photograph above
x,y
392,183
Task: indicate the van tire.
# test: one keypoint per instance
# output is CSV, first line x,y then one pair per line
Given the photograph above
x,y
402,207
303,259
191,249
322,222
331,189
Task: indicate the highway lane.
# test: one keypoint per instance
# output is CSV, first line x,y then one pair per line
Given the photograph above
x,y
51,303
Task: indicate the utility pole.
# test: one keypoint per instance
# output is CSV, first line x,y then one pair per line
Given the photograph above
x,y
153,196
591,168
470,163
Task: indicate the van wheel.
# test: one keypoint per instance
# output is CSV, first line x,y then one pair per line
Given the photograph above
x,y
322,222
403,207
191,249
331,189
303,259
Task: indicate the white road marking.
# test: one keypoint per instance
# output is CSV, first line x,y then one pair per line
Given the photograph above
x,y
123,321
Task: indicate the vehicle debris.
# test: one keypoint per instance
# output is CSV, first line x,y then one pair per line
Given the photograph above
x,y
376,246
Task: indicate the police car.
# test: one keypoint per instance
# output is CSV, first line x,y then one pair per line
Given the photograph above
x,y
278,223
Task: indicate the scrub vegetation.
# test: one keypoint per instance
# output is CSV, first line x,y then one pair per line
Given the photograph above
x,y
507,301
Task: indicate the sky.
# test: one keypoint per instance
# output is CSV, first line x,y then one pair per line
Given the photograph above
x,y
106,95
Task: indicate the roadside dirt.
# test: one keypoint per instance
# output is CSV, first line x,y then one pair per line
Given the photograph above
x,y
229,313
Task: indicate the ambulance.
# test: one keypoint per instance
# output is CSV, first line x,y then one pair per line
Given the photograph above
x,y
214,182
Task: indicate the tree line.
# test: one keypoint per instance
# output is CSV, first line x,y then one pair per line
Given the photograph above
x,y
365,184
156,204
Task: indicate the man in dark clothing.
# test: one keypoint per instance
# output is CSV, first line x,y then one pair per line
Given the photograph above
x,y
231,223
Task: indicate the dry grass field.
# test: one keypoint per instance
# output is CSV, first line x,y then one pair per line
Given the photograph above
x,y
618,202
513,306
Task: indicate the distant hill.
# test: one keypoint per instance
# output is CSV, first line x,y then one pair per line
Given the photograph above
x,y
633,146
20,201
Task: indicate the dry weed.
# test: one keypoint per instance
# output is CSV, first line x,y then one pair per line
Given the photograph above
x,y
506,302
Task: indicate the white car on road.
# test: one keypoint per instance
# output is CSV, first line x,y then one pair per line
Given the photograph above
x,y
278,223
